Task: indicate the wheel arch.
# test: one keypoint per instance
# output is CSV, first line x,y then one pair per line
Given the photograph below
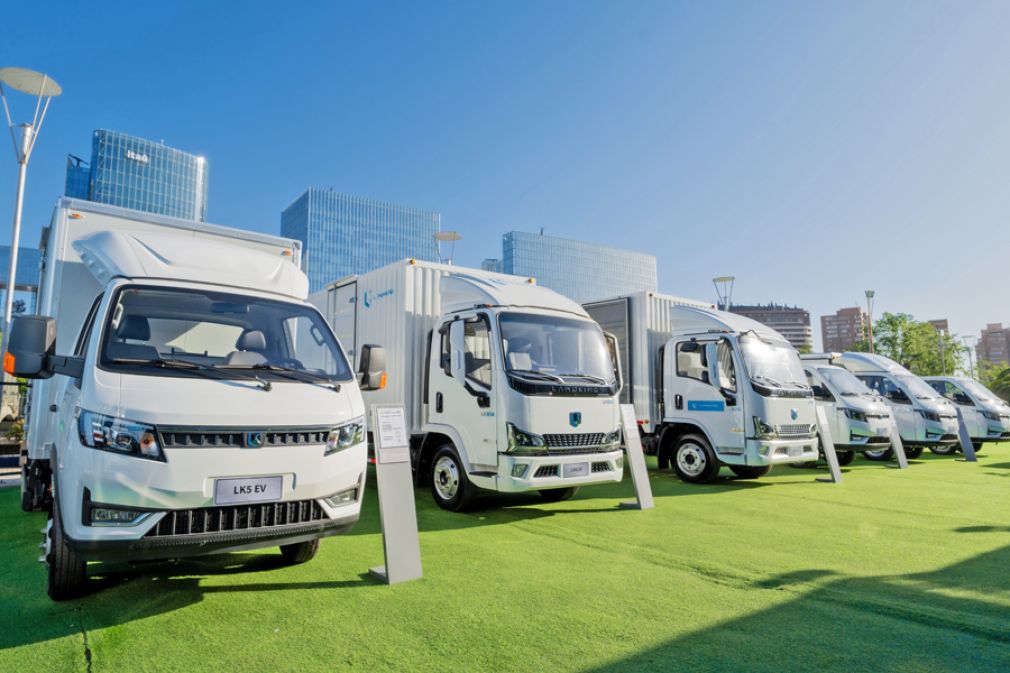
x,y
671,433
434,438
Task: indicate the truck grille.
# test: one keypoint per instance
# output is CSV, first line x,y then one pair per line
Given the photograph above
x,y
547,471
795,430
574,440
237,517
190,438
601,466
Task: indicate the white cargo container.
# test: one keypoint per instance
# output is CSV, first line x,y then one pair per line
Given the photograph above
x,y
507,386
710,387
202,404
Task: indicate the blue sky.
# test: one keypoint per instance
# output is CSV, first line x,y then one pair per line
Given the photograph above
x,y
811,149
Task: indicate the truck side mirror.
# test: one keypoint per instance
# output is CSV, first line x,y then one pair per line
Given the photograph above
x,y
457,346
712,362
372,367
31,344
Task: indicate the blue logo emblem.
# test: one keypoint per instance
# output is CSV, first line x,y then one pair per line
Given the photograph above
x,y
794,414
575,419
368,304
253,440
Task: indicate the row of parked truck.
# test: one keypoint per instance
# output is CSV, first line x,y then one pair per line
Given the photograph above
x,y
189,397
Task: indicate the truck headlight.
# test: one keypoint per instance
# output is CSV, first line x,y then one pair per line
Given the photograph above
x,y
119,435
929,415
992,415
762,430
345,436
520,441
611,440
855,415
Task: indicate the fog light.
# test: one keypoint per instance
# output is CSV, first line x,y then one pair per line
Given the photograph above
x,y
619,462
342,498
519,470
107,516
763,449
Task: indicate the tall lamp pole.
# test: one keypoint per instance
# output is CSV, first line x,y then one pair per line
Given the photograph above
x,y
44,89
724,290
869,315
971,361
446,237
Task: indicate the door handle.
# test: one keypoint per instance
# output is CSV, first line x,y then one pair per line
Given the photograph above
x,y
678,401
438,403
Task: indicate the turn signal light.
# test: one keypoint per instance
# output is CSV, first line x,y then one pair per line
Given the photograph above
x,y
382,381
9,363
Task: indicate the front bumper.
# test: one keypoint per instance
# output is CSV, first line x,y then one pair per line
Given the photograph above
x,y
530,473
760,452
872,434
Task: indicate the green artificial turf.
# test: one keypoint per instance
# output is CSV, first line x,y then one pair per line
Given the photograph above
x,y
890,571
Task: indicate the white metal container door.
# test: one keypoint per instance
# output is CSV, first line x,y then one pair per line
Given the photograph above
x,y
343,300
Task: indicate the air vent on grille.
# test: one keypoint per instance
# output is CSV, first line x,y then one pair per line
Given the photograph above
x,y
238,517
602,466
790,430
547,471
183,438
577,439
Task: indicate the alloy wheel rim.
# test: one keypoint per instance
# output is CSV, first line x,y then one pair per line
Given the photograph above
x,y
446,477
691,459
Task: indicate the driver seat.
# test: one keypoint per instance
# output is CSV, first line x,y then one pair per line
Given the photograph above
x,y
248,349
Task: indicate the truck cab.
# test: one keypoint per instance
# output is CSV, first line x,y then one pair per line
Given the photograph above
x,y
858,418
924,418
986,416
733,394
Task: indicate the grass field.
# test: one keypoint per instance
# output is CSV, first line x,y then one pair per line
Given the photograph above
x,y
890,571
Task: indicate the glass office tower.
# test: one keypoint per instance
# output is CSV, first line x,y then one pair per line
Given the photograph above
x,y
141,174
579,270
343,235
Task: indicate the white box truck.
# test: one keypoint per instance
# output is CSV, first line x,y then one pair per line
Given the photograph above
x,y
986,416
858,418
187,398
710,388
924,419
507,386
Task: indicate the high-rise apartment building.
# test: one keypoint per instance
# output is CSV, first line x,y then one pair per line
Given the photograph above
x,y
491,264
940,325
132,172
841,331
579,270
791,322
344,235
994,344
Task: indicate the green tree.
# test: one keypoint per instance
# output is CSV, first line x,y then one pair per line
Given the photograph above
x,y
995,376
917,345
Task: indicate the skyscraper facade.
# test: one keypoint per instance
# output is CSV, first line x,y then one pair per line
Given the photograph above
x,y
579,270
994,344
791,322
132,172
343,235
841,331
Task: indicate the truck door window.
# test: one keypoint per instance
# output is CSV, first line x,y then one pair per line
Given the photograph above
x,y
820,391
445,352
477,351
691,361
727,371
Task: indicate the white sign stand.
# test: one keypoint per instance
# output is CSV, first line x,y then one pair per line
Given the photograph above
x,y
828,446
967,448
400,543
897,447
636,460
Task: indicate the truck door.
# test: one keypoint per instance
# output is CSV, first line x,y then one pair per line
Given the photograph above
x,y
461,392
704,390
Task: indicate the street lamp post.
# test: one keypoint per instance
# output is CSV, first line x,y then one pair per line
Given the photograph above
x,y
44,89
450,237
971,360
724,290
869,315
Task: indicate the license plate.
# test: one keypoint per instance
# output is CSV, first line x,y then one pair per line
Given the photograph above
x,y
252,489
575,470
795,451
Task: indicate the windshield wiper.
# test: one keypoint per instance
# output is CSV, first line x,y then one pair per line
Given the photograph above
x,y
766,378
533,372
299,375
174,363
597,379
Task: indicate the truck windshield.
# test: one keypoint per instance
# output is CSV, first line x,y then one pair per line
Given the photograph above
x,y
846,383
917,388
194,332
980,392
555,349
772,363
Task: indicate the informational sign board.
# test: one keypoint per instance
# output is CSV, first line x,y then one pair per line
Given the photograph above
x,y
636,459
400,542
967,448
828,446
897,447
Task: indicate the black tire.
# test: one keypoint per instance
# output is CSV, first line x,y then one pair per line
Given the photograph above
x,y
805,465
67,573
299,552
450,487
949,450
694,460
558,494
977,446
27,501
750,472
911,452
845,457
881,455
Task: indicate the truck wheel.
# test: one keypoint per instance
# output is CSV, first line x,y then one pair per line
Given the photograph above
x,y
881,454
68,576
694,460
750,471
27,501
450,486
942,450
977,446
299,552
912,452
845,457
558,494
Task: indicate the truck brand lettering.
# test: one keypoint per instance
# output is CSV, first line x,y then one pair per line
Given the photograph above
x,y
369,298
249,489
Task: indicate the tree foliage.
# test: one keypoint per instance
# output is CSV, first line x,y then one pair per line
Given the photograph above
x,y
916,345
995,376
